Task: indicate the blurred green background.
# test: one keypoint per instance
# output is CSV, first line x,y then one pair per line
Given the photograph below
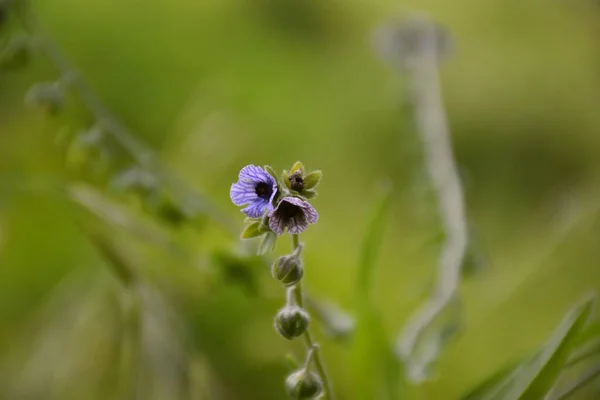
x,y
214,85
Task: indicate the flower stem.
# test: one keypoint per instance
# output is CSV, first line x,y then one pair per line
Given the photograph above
x,y
309,341
184,196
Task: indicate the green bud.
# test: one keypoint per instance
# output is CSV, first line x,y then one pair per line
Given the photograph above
x,y
296,181
88,145
300,184
288,270
311,180
252,231
47,95
16,54
303,384
291,322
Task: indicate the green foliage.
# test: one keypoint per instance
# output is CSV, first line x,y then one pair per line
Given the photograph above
x,y
16,54
534,378
267,243
246,91
376,372
251,231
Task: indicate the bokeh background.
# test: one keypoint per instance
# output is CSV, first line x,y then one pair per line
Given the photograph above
x,y
211,86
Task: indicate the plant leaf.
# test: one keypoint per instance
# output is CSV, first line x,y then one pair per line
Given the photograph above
x,y
267,244
533,379
494,381
371,244
251,231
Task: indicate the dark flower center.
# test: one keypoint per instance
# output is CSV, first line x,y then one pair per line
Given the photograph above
x,y
263,190
288,210
296,181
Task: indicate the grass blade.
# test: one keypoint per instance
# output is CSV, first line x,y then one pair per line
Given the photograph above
x,y
533,379
373,360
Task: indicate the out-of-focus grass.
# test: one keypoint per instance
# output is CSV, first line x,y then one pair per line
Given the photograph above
x,y
216,85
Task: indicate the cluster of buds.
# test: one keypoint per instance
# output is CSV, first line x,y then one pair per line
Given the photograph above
x,y
275,204
103,148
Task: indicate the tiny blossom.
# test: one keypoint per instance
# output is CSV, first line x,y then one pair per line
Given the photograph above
x,y
293,213
255,187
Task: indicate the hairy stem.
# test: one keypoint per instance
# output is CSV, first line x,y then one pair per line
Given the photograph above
x,y
309,341
184,196
432,126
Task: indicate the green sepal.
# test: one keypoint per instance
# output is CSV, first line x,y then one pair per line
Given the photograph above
x,y
286,179
311,180
309,194
249,220
267,244
297,166
251,231
272,172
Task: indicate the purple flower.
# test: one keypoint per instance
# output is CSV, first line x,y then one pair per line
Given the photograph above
x,y
293,213
256,188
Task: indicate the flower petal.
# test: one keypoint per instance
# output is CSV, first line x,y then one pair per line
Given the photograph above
x,y
310,213
256,209
276,224
252,173
241,193
297,225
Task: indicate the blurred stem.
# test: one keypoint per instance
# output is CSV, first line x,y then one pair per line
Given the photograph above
x,y
583,354
310,343
132,342
432,126
185,196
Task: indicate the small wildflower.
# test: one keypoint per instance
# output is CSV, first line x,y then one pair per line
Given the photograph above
x,y
299,183
256,188
293,213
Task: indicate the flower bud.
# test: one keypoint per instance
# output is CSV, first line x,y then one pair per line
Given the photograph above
x,y
48,96
291,322
288,270
404,41
299,183
303,384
